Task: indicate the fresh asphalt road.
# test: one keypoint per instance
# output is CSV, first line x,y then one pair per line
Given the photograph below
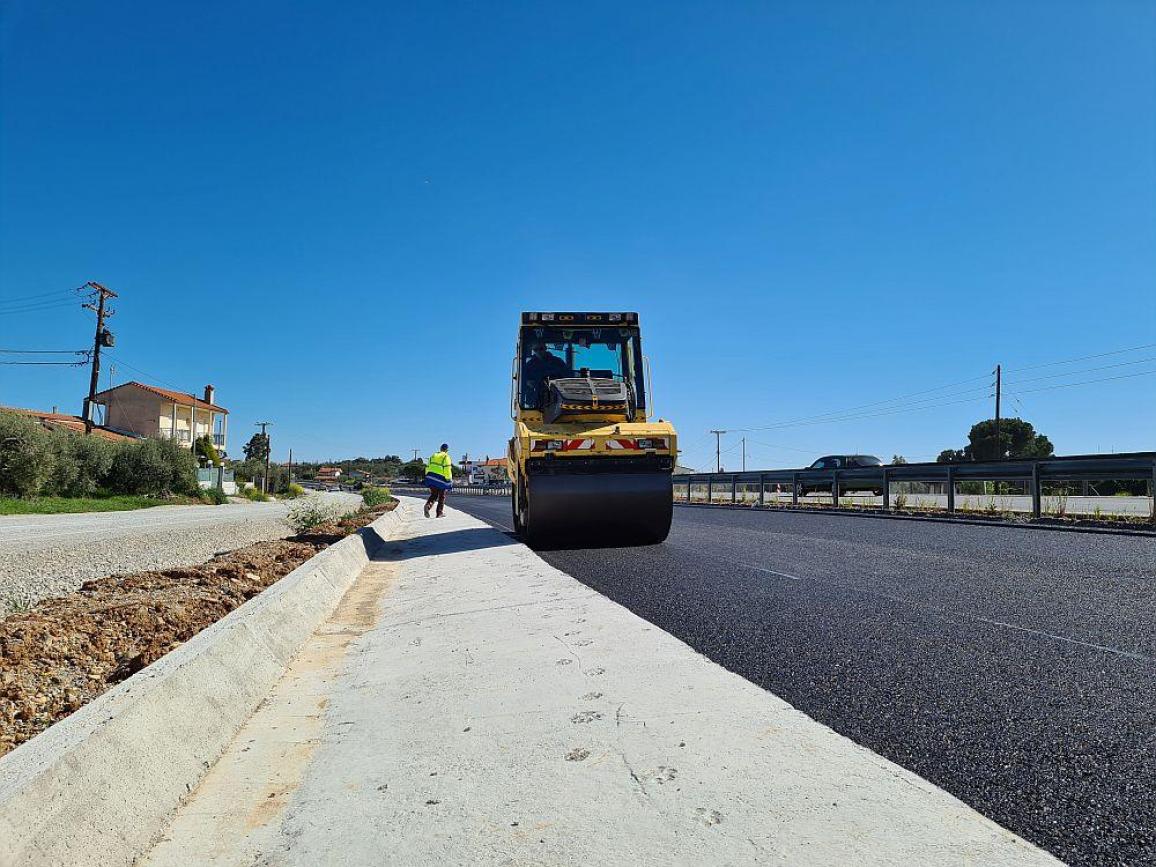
x,y
1014,667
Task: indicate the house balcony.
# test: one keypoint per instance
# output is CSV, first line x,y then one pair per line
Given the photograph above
x,y
183,436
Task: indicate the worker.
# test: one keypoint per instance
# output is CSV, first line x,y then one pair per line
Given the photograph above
x,y
542,365
439,478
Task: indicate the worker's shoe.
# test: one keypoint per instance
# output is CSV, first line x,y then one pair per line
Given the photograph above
x,y
427,510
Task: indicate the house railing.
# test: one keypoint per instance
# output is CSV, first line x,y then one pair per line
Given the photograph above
x,y
214,477
182,435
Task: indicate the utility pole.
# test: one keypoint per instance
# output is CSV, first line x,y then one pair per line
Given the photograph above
x,y
290,468
718,449
998,389
103,338
744,454
268,453
415,451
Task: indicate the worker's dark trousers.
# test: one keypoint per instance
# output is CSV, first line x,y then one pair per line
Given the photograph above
x,y
438,496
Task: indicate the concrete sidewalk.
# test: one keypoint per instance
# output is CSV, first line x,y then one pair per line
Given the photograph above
x,y
469,704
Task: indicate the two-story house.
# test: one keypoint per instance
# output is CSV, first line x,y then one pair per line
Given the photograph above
x,y
136,409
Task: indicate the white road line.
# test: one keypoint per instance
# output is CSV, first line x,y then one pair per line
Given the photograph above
x,y
962,615
948,612
1129,654
768,571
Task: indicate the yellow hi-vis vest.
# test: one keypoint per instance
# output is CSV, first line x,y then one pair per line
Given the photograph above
x,y
439,465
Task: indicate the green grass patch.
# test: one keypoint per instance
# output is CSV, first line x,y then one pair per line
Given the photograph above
x,y
68,505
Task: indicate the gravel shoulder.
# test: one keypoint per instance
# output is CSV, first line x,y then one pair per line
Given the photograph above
x,y
49,555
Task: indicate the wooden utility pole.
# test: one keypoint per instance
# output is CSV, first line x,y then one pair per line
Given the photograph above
x,y
998,388
290,468
103,338
268,453
744,454
718,449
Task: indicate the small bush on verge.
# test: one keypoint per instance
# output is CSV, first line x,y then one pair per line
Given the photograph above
x,y
373,497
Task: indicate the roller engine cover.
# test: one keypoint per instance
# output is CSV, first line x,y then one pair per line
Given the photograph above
x,y
587,396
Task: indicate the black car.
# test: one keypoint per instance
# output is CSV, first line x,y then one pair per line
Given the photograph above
x,y
842,462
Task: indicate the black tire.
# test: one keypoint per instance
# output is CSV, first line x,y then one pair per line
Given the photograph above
x,y
516,501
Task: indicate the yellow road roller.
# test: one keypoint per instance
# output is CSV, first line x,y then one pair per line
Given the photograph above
x,y
590,464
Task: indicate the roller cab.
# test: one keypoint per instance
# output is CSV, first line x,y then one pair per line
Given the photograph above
x,y
589,464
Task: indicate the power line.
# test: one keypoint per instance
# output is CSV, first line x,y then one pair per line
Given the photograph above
x,y
968,396
22,298
44,351
1088,382
120,360
853,411
1084,370
15,311
785,448
936,400
80,363
1087,357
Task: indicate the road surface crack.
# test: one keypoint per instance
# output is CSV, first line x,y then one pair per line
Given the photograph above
x,y
570,650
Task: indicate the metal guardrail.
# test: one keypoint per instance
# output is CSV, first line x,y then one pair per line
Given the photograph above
x,y
468,490
1035,472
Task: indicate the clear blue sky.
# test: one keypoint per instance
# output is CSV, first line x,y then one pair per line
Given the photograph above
x,y
335,211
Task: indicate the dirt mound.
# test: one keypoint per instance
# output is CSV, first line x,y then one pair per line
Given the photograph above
x,y
66,651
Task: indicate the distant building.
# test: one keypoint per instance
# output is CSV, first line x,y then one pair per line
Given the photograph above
x,y
488,470
328,474
495,470
138,410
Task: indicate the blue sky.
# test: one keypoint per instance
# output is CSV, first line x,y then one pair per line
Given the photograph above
x,y
334,212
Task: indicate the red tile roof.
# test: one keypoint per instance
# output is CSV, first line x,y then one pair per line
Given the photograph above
x,y
175,396
72,423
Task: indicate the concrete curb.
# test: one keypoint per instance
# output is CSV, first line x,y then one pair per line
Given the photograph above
x,y
97,787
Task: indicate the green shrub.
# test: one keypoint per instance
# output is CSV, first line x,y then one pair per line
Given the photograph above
x,y
35,461
63,474
92,457
255,494
293,491
375,496
204,449
155,467
214,496
27,456
308,516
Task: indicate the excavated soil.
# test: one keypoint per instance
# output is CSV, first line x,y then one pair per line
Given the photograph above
x,y
64,652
